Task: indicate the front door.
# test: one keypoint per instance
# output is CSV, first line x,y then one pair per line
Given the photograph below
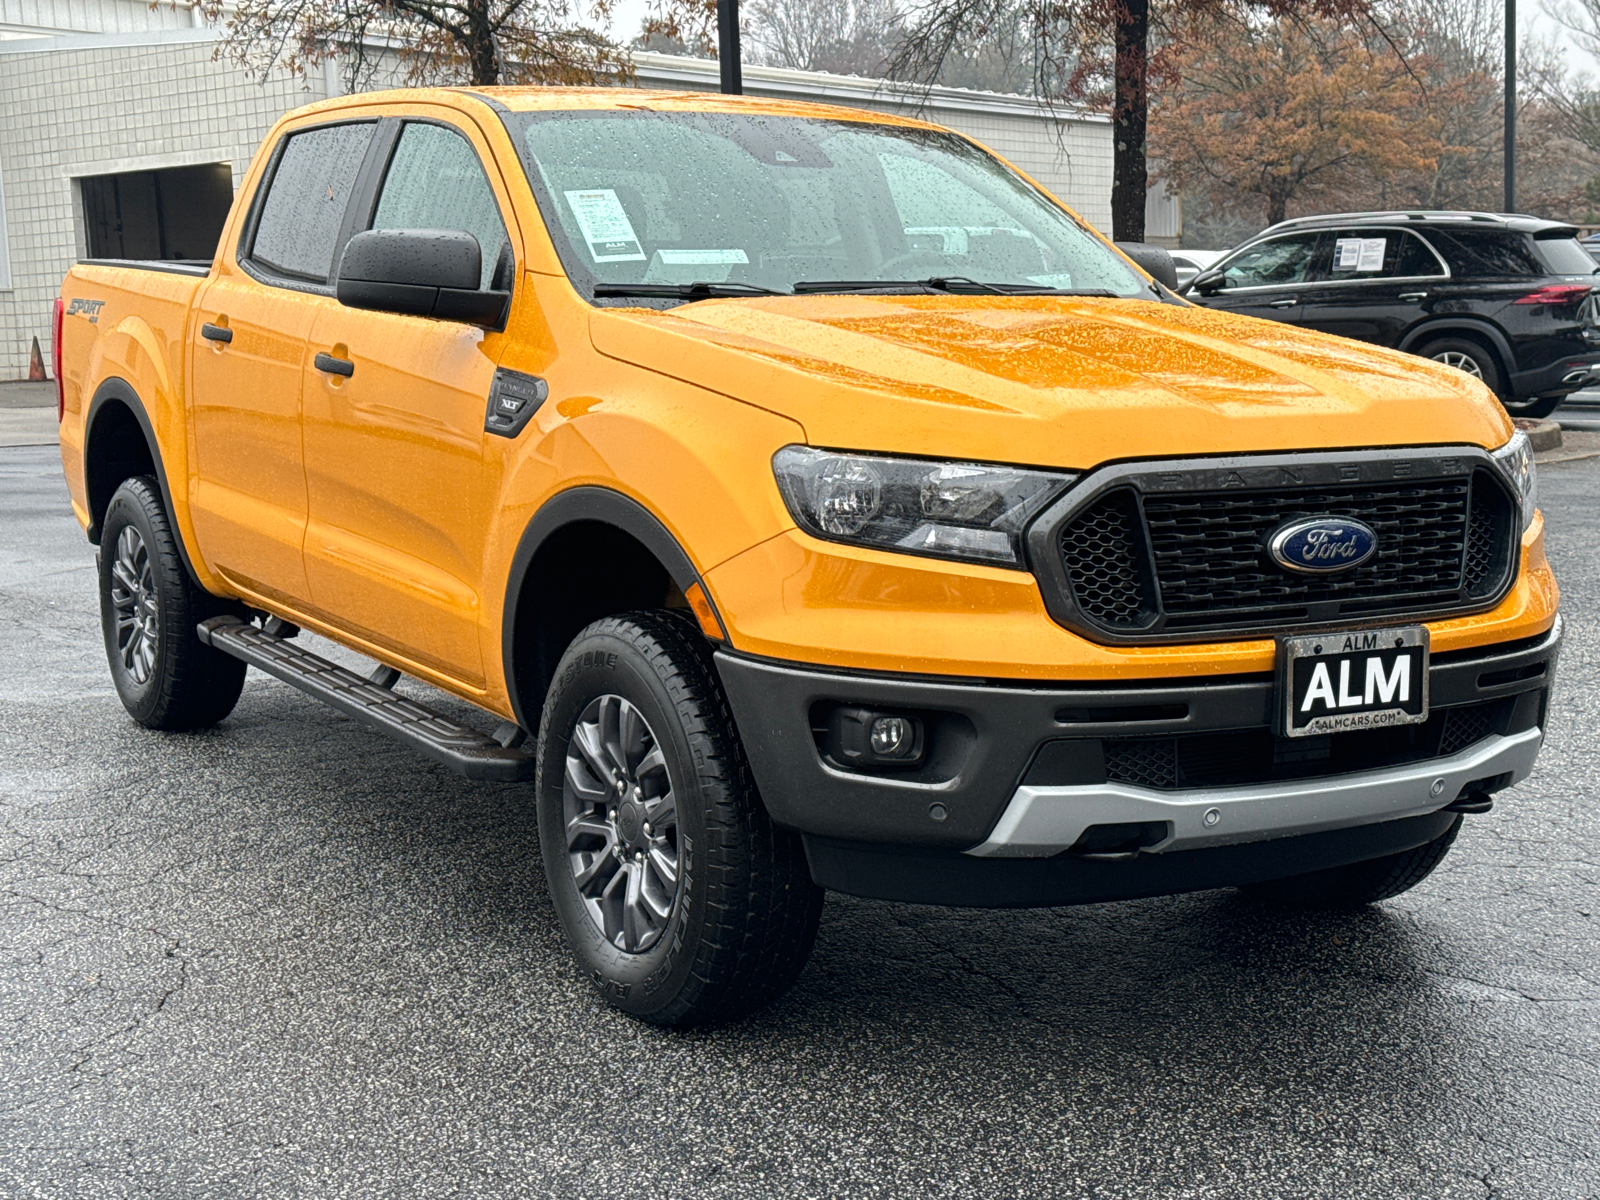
x,y
247,364
394,449
1376,284
1267,279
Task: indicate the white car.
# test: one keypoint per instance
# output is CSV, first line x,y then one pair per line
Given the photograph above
x,y
1191,262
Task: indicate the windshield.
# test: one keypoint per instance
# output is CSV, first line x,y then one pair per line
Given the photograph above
x,y
654,201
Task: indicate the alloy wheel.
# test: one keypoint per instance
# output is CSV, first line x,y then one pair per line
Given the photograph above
x,y
1461,362
133,598
621,824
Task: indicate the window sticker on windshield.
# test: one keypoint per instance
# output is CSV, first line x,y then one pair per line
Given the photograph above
x,y
605,226
702,257
1359,254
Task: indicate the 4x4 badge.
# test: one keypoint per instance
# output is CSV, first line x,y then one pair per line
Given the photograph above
x,y
1322,545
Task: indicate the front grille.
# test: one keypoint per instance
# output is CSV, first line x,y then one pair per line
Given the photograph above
x,y
1243,756
1098,550
1179,562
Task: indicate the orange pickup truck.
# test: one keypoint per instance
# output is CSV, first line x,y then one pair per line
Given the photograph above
x,y
809,502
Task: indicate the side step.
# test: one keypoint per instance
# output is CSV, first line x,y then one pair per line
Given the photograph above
x,y
462,749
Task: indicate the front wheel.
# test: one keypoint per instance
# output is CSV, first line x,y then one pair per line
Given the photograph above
x,y
1362,883
682,902
149,607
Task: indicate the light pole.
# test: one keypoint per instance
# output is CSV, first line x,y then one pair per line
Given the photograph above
x,y
1511,107
728,46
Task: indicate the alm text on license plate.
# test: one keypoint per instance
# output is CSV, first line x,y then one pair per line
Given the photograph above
x,y
1362,679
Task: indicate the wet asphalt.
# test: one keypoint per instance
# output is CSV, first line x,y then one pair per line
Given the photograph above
x,y
287,958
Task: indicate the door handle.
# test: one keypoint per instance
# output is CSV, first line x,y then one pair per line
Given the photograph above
x,y
1413,295
334,366
216,333
1283,303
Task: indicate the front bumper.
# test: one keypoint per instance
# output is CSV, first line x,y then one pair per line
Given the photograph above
x,y
986,790
1041,821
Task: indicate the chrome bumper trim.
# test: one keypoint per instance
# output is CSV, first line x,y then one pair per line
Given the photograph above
x,y
1041,821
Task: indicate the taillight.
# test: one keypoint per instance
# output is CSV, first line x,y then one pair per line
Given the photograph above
x,y
1556,293
57,321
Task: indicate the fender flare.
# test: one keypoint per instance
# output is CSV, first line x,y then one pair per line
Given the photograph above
x,y
586,503
120,391
1444,326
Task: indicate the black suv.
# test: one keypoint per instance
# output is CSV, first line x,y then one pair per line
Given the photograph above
x,y
1510,299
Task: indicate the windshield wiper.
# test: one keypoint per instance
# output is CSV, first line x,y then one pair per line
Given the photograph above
x,y
686,291
954,284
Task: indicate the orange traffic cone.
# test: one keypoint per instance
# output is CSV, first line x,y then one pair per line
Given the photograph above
x,y
36,373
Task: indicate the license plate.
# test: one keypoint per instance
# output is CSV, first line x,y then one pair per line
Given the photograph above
x,y
1337,682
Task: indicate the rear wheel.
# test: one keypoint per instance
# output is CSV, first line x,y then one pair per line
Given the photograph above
x,y
1537,408
1468,356
1359,883
682,902
149,607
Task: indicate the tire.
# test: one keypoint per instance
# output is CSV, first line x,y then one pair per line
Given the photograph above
x,y
1362,883
636,699
1537,408
1466,355
149,607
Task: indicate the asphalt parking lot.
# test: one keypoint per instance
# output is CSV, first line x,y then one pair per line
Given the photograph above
x,y
287,958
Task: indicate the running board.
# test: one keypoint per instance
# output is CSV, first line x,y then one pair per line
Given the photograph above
x,y
459,747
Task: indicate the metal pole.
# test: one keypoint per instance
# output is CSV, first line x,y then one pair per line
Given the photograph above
x,y
728,46
1511,107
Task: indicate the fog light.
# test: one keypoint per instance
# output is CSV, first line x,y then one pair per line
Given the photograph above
x,y
891,736
869,738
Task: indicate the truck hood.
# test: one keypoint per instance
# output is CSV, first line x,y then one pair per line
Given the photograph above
x,y
1050,381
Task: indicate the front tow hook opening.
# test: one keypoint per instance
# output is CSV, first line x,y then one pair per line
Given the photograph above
x,y
1120,842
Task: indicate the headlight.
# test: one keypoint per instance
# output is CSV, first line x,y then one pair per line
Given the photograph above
x,y
949,510
1516,460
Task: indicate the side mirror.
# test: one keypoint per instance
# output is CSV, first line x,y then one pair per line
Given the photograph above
x,y
1154,261
421,273
1208,282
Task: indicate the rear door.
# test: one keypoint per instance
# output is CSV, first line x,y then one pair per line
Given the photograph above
x,y
249,343
1267,279
398,489
1375,285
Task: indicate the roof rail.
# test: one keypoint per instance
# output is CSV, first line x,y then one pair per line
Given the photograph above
x,y
1400,214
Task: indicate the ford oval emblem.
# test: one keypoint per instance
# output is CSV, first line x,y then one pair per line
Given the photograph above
x,y
1322,545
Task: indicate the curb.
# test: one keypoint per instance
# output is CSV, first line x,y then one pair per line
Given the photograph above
x,y
1543,435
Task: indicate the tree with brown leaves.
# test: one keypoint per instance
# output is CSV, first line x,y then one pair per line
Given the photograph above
x,y
1289,111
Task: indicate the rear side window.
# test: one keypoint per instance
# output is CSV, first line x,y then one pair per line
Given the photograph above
x,y
435,181
304,208
1280,261
1380,254
1565,256
1487,253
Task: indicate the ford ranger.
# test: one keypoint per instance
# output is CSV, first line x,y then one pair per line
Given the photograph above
x,y
808,501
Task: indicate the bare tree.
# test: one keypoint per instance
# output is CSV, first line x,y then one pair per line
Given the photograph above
x,y
844,36
421,42
1108,51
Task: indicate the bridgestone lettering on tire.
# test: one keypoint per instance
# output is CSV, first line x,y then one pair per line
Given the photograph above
x,y
709,914
149,607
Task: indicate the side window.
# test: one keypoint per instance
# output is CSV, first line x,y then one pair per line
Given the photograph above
x,y
306,198
1279,261
435,181
1487,253
1380,254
